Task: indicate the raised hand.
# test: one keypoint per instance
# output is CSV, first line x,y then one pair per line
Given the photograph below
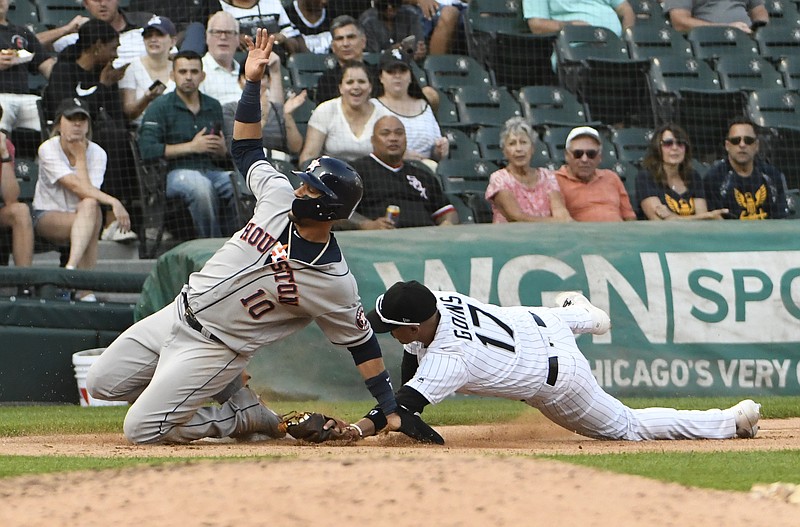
x,y
258,54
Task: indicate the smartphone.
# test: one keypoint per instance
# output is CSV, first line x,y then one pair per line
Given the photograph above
x,y
214,129
155,85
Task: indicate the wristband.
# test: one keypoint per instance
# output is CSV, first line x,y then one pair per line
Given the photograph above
x,y
379,421
249,108
358,429
5,159
380,387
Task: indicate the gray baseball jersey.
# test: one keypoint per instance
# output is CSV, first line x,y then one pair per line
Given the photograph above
x,y
262,285
530,354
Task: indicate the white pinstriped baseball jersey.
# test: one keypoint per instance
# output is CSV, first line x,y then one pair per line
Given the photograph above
x,y
266,282
487,350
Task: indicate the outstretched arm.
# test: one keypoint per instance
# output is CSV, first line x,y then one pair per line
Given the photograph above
x,y
248,114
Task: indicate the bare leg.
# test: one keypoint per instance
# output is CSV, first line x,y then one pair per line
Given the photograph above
x,y
18,217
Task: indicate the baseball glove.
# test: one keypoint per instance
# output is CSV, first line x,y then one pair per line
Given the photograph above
x,y
311,427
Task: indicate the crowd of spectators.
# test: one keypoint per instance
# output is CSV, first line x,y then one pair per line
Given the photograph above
x,y
172,75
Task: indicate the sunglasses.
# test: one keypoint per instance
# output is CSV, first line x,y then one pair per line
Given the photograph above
x,y
578,154
748,140
669,143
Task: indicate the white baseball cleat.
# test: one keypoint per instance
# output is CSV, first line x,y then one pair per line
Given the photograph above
x,y
747,413
601,322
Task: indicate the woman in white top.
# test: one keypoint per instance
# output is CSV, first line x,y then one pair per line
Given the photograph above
x,y
400,94
342,127
147,77
71,171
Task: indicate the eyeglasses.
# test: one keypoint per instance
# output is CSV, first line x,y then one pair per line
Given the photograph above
x,y
578,154
669,143
223,32
748,140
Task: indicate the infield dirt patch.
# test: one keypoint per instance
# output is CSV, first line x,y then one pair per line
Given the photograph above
x,y
482,476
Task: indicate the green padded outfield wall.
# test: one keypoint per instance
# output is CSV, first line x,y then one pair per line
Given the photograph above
x,y
698,308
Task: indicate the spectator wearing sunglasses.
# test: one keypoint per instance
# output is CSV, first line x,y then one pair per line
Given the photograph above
x,y
750,188
668,188
591,193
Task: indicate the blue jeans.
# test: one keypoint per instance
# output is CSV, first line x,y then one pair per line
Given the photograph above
x,y
205,193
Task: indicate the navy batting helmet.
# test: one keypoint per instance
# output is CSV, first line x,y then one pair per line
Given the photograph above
x,y
341,189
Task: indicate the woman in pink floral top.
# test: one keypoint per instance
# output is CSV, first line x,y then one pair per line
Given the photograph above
x,y
521,192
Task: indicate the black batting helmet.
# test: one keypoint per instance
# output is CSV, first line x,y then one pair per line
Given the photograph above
x,y
341,188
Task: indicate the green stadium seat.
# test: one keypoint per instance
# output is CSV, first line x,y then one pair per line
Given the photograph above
x,y
632,144
747,73
485,106
775,107
56,13
461,145
450,72
647,42
776,42
551,105
711,42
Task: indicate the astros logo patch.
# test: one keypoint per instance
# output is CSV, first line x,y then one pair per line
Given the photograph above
x,y
361,319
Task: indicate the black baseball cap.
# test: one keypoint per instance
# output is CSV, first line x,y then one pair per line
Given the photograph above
x,y
70,107
403,304
392,58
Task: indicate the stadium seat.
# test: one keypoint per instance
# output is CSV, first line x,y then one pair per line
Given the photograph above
x,y
790,69
523,59
467,180
488,140
306,69
782,13
747,73
447,113
669,74
555,137
711,42
775,107
646,42
784,152
627,173
594,63
157,209
450,72
551,105
704,114
649,14
700,167
23,13
485,106
631,144
461,146
776,42
56,13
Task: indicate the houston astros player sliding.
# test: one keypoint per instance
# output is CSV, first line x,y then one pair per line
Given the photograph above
x,y
454,343
282,271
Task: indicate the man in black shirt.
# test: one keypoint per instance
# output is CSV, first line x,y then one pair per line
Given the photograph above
x,y
349,42
18,45
748,187
388,181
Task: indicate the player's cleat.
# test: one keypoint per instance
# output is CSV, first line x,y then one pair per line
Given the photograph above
x,y
747,413
254,416
601,322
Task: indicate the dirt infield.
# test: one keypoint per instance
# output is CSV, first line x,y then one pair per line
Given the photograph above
x,y
483,476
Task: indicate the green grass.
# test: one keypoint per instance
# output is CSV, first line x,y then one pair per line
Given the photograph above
x,y
719,470
715,470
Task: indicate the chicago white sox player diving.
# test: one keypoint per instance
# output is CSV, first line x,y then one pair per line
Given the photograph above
x,y
279,273
454,343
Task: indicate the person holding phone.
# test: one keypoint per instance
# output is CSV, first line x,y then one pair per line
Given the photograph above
x,y
147,77
390,24
86,70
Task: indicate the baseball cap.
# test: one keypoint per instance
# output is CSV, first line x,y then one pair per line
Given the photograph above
x,y
70,107
394,57
581,131
162,24
403,304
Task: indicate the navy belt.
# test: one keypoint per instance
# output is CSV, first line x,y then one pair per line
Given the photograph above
x,y
193,323
552,371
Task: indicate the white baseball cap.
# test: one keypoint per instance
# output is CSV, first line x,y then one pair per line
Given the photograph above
x,y
583,131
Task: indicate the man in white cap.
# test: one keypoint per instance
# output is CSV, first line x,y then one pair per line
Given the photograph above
x,y
591,193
